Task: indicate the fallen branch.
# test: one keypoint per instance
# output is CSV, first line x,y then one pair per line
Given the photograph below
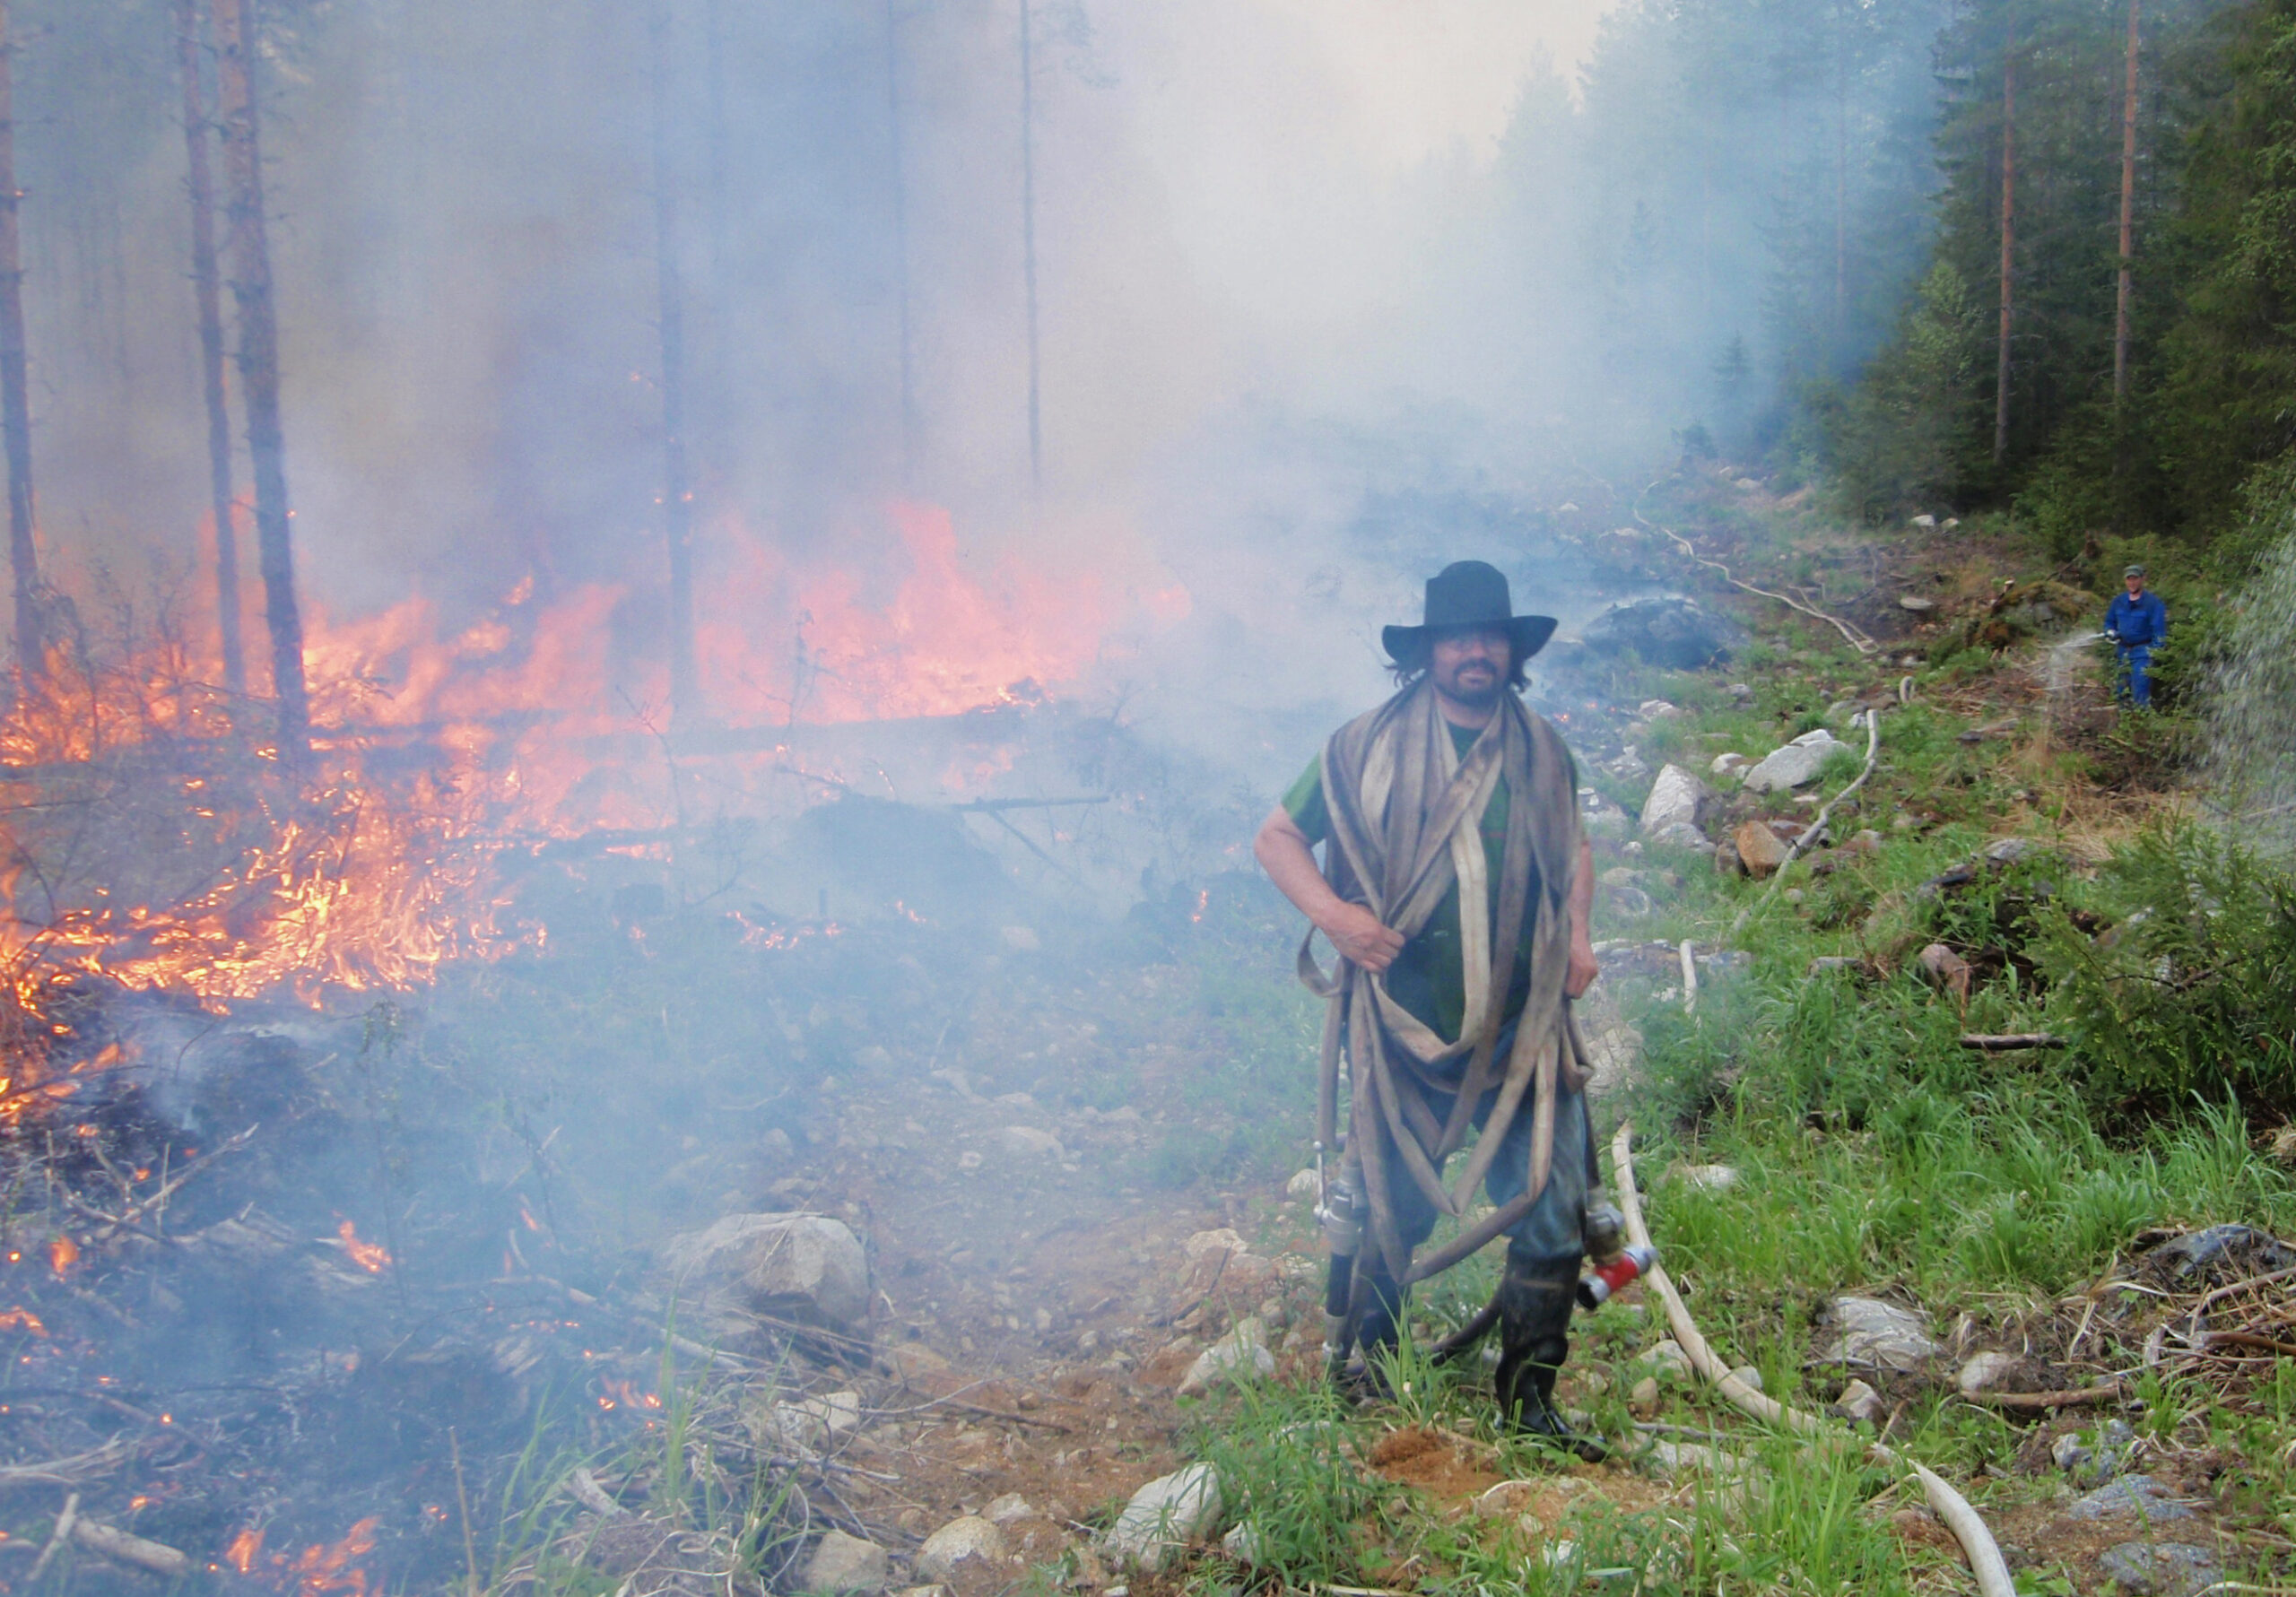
x,y
67,1472
55,1539
1984,1554
2003,1042
120,1548
1817,826
1857,637
2104,1391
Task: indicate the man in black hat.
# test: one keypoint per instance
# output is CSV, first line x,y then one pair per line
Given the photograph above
x,y
1456,887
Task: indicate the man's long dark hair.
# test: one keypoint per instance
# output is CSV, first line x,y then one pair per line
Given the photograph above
x,y
1417,656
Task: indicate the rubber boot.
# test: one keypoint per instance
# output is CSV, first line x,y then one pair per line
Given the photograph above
x,y
1379,1330
1536,1298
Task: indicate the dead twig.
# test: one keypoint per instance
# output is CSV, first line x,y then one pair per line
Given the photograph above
x,y
2103,1393
2003,1042
121,1548
55,1539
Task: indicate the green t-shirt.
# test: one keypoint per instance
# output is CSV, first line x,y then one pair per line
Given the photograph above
x,y
1429,977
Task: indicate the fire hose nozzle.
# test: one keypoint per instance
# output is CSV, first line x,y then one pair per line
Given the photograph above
x,y
1629,1265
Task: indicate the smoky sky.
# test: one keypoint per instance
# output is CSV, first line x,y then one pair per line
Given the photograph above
x,y
1268,271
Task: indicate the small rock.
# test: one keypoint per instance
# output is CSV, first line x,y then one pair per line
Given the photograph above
x,y
1676,796
1669,1358
961,1547
1866,841
1858,1401
1915,603
1740,690
935,1590
1760,852
1303,1187
843,1563
1712,1178
1923,521
1657,709
1728,764
1241,1355
2008,851
911,1360
1029,1141
2138,1495
1644,1398
1826,963
1842,709
1944,969
1879,1334
1008,1509
803,1267
1628,903
1244,1544
1746,485
1796,765
1671,1460
1748,1376
1986,1371
1164,1517
813,1421
2162,1568
1727,861
1681,834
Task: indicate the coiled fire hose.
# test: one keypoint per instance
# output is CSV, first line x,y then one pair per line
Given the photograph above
x,y
1984,1553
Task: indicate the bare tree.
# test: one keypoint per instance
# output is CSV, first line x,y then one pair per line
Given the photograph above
x,y
2122,288
250,249
207,299
1028,237
677,495
2008,244
15,398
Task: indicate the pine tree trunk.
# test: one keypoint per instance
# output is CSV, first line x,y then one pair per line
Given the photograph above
x,y
208,297
250,251
15,395
908,431
1029,238
2124,285
677,498
2008,248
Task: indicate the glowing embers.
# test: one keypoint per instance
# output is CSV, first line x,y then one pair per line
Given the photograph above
x,y
320,1568
623,1395
370,1256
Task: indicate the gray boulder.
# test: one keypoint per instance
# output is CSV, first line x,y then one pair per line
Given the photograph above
x,y
969,1546
2162,1568
1676,798
1164,1517
1877,1334
842,1563
1671,631
1239,1356
1796,765
2138,1497
804,1269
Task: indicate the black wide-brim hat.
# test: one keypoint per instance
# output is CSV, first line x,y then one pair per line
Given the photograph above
x,y
1468,594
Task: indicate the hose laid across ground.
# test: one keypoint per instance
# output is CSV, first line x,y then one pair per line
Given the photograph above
x,y
1984,1553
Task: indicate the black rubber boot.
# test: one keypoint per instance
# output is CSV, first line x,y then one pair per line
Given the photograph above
x,y
1379,1330
1536,1298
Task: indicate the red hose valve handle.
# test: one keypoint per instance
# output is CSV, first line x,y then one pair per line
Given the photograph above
x,y
1628,1265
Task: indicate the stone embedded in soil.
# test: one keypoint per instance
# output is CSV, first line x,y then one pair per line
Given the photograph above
x,y
813,1421
935,1590
807,1269
1883,1335
1676,798
843,1563
1986,1371
1304,1187
912,1360
1644,1398
1796,765
1669,1357
2162,1568
2131,1494
1028,1142
1728,764
1712,1178
1244,1543
1671,1460
1858,1401
969,1546
1241,1356
1508,1499
1748,1376
1760,852
1164,1517
1009,1509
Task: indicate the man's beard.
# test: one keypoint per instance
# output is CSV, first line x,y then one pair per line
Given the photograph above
x,y
1472,698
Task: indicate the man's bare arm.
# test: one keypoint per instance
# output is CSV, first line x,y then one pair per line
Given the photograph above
x,y
1584,967
1287,856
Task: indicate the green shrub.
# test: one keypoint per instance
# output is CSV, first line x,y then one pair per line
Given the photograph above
x,y
2192,991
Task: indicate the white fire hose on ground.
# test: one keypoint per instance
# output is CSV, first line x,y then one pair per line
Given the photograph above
x,y
1986,1562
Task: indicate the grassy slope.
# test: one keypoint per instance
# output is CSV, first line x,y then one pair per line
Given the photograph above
x,y
1874,1153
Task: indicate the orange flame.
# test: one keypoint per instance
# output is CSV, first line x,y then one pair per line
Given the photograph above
x,y
23,1319
370,1256
245,1549
63,1253
331,1568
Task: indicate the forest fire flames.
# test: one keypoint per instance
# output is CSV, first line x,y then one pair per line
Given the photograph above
x,y
153,845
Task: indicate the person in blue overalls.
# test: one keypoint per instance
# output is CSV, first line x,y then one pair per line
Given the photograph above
x,y
2135,622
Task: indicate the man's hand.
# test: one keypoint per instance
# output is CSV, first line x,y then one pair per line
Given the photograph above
x,y
1356,932
1584,967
